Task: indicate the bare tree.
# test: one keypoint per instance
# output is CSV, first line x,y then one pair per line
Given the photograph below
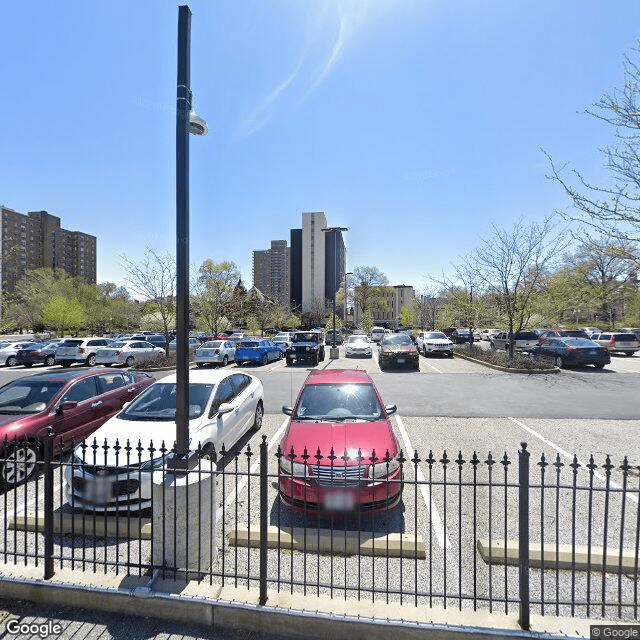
x,y
154,278
613,209
511,265
370,287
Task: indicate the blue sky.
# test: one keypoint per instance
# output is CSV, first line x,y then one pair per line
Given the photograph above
x,y
415,123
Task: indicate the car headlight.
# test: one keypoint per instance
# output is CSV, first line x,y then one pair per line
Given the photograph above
x,y
293,469
383,469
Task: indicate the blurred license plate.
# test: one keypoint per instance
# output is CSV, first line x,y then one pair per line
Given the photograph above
x,y
400,360
593,351
338,501
99,490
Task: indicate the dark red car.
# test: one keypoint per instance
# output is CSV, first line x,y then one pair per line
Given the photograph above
x,y
339,453
74,403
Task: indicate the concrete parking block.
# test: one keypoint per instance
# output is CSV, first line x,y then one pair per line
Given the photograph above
x,y
86,524
564,557
393,545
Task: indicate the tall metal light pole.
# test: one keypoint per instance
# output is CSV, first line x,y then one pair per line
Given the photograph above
x,y
186,122
344,315
334,231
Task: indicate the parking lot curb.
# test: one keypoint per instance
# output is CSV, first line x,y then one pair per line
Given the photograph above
x,y
565,556
497,367
289,615
94,525
393,545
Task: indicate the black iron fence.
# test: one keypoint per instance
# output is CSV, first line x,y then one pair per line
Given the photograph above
x,y
551,536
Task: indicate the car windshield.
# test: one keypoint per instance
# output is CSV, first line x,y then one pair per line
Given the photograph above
x,y
397,338
434,335
158,402
338,402
27,396
353,339
117,345
306,337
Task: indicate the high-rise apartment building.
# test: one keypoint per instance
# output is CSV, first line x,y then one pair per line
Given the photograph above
x,y
271,271
36,240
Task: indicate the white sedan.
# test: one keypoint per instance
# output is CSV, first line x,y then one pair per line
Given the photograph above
x,y
224,404
434,342
126,352
358,345
219,352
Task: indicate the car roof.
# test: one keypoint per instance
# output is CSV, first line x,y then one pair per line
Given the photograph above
x,y
65,375
333,376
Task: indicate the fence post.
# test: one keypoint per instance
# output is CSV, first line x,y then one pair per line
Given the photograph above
x,y
523,536
48,504
264,519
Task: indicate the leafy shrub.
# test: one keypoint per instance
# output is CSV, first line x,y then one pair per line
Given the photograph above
x,y
501,359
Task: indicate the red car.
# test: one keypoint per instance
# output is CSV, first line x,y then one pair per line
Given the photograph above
x,y
339,453
75,403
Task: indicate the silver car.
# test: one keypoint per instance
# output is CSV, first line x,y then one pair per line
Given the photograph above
x,y
8,352
219,352
127,352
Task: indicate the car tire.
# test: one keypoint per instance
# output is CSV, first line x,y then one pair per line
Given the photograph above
x,y
225,361
629,353
199,365
289,362
28,364
129,361
559,362
107,364
257,417
20,463
49,361
264,360
11,361
599,366
64,363
316,359
91,360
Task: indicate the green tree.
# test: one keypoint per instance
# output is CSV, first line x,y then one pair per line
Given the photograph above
x,y
213,292
370,290
61,314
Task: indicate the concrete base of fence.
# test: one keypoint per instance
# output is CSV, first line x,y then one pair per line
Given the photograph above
x,y
184,521
287,615
87,524
393,545
564,557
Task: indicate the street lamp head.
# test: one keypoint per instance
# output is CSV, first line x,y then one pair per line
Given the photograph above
x,y
197,125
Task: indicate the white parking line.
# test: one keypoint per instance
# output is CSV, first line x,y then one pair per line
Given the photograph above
x,y
424,361
567,455
436,520
243,483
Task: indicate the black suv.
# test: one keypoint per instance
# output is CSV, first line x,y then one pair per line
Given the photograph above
x,y
306,345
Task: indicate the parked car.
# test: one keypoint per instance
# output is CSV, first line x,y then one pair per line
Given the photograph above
x,y
377,333
358,346
219,352
571,351
591,331
81,350
223,405
38,353
306,346
487,334
432,343
127,352
258,351
523,340
192,343
339,413
460,336
398,349
561,333
8,352
73,403
282,341
157,340
615,342
331,335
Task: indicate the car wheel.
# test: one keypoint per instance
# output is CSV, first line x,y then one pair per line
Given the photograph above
x,y
599,366
11,361
20,463
28,364
91,360
559,362
49,361
65,363
225,361
322,355
316,359
199,365
257,418
629,353
264,360
289,362
107,364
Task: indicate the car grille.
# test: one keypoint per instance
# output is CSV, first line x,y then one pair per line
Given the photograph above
x,y
338,476
119,487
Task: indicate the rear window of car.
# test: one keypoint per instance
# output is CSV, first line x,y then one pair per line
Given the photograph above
x,y
71,343
247,343
526,335
625,337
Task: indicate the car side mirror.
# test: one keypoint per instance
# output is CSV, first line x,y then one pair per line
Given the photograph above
x,y
287,410
390,408
65,406
225,407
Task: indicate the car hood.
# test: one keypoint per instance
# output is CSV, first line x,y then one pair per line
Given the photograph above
x,y
342,436
438,341
145,431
